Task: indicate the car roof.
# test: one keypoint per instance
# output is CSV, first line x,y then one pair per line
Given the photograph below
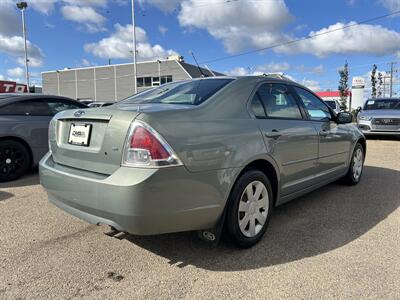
x,y
20,97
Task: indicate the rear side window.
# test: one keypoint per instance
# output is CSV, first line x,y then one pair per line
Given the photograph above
x,y
26,108
277,102
188,92
257,107
316,108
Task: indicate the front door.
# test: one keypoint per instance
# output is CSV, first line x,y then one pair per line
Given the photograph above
x,y
290,139
334,139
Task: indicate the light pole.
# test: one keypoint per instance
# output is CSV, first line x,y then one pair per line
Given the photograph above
x,y
58,82
134,48
22,6
159,70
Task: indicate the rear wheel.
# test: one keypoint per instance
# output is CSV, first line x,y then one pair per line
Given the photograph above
x,y
14,160
249,210
356,167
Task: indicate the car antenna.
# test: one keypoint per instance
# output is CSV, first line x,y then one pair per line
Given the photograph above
x,y
194,57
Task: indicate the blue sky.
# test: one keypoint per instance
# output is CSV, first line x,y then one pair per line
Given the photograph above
x,y
75,33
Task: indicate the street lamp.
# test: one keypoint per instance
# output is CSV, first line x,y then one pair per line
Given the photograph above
x,y
22,6
134,48
159,70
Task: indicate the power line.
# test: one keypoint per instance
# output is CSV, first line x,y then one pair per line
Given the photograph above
x,y
291,41
300,39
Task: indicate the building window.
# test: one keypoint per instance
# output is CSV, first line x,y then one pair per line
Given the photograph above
x,y
147,81
166,79
156,81
153,81
140,81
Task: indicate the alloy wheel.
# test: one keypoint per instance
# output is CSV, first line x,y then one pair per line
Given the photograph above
x,y
11,160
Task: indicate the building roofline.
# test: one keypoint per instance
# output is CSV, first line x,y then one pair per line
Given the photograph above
x,y
105,66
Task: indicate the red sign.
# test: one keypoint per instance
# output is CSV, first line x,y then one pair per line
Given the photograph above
x,y
12,87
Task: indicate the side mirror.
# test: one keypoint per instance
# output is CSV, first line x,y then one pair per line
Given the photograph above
x,y
344,118
359,109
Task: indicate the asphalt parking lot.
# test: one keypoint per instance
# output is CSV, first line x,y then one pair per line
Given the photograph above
x,y
337,242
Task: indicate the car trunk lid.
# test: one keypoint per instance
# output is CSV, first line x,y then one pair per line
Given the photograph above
x,y
105,132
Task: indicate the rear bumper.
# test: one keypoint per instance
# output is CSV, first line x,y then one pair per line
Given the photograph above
x,y
138,201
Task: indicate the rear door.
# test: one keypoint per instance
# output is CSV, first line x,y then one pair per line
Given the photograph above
x,y
290,139
334,140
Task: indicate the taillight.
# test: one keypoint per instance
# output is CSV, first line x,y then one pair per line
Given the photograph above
x,y
145,147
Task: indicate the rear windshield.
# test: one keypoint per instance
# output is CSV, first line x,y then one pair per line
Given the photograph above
x,y
185,92
382,104
331,103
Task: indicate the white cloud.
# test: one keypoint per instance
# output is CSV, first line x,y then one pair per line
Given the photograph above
x,y
33,62
248,24
162,29
119,45
43,6
85,62
310,70
10,19
391,5
84,15
318,69
239,71
164,5
312,84
272,67
99,3
15,72
14,46
360,39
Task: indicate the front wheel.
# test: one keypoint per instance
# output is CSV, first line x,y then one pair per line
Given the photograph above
x,y
249,208
356,166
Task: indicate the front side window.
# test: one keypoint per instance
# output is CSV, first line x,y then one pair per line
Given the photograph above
x,y
331,103
278,101
316,109
26,108
185,92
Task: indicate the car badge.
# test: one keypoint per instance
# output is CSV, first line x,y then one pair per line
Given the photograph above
x,y
79,113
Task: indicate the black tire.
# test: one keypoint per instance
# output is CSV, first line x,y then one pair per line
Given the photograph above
x,y
15,160
351,178
232,216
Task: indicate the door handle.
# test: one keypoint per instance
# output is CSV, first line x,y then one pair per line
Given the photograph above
x,y
273,134
323,132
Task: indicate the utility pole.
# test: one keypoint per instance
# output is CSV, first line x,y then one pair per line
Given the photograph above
x,y
134,48
22,6
391,79
392,73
